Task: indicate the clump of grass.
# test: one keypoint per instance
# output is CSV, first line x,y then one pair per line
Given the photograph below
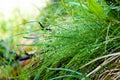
x,y
80,32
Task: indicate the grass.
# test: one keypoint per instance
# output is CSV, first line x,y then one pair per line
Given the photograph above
x,y
81,31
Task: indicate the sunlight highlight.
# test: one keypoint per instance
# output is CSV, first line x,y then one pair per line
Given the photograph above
x,y
26,7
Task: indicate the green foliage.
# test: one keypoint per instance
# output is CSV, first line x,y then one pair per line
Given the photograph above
x,y
77,76
80,31
80,35
95,7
